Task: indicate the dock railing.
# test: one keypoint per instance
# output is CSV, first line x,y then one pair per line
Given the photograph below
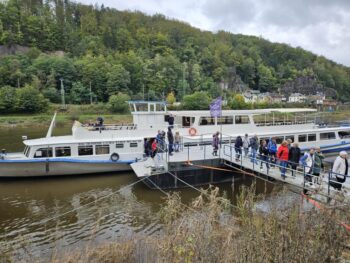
x,y
308,179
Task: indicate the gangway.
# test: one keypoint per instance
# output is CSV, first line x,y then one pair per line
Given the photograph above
x,y
196,165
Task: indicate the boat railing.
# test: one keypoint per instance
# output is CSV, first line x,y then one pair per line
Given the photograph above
x,y
282,123
110,127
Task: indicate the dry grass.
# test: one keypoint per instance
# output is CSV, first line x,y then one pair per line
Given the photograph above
x,y
211,230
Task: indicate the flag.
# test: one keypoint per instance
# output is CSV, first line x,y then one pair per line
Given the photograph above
x,y
215,107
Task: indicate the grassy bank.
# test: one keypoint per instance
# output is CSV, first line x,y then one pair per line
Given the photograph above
x,y
211,230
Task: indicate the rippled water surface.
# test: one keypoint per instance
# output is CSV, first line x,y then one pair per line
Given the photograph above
x,y
40,216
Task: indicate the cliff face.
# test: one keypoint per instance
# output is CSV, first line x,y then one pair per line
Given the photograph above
x,y
306,85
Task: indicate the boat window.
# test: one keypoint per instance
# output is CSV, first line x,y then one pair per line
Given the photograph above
x,y
102,149
85,150
206,121
187,121
311,137
62,151
344,134
225,120
279,139
241,119
327,135
43,153
133,144
290,137
302,138
119,145
27,151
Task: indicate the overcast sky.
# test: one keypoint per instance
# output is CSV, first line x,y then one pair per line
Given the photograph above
x,y
321,26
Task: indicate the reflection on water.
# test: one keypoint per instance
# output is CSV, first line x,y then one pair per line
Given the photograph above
x,y
67,212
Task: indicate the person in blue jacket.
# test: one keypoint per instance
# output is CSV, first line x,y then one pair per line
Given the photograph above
x,y
272,148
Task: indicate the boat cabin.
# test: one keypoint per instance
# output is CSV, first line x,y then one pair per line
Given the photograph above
x,y
67,146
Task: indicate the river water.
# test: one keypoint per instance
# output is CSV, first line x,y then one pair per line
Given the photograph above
x,y
42,216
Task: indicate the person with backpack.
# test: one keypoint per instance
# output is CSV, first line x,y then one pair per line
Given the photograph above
x,y
282,156
272,148
238,147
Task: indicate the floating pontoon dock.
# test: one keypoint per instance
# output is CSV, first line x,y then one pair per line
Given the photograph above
x,y
195,165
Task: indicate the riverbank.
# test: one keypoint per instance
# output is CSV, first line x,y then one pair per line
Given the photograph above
x,y
210,229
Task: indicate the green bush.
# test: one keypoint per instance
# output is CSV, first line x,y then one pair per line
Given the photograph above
x,y
197,101
29,99
118,103
7,99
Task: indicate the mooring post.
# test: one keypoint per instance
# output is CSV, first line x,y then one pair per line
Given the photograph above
x,y
329,186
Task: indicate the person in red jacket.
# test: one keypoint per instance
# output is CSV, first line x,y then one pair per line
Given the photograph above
x,y
282,156
154,148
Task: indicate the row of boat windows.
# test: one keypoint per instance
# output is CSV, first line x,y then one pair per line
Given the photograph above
x,y
311,137
238,119
65,151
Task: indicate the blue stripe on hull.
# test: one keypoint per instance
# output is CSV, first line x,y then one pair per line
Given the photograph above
x,y
65,160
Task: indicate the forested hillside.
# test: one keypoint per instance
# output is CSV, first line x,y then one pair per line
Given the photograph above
x,y
129,52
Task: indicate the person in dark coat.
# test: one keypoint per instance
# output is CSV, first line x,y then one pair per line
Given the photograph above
x,y
170,141
238,147
264,155
171,121
254,146
216,141
294,157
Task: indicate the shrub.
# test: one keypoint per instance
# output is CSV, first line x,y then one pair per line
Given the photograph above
x,y
29,99
118,103
197,101
7,99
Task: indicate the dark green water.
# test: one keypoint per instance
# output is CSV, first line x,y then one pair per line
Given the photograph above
x,y
40,216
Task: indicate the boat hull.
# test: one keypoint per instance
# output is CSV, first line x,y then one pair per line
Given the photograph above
x,y
59,168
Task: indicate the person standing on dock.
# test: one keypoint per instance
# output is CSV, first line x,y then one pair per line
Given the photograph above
x,y
154,148
216,142
294,157
308,160
254,146
171,121
170,141
340,170
246,145
177,141
264,155
272,147
238,147
282,156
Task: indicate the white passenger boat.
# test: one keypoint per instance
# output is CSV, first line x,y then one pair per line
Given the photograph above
x,y
110,148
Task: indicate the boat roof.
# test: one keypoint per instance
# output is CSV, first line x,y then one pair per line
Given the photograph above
x,y
69,139
243,112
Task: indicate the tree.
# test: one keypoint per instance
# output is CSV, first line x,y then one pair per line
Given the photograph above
x,y
7,99
29,99
118,103
79,94
237,102
171,98
197,101
118,80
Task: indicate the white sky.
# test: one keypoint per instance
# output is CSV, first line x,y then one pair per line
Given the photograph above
x,y
321,26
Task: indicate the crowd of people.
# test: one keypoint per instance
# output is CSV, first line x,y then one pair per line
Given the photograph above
x,y
288,156
158,144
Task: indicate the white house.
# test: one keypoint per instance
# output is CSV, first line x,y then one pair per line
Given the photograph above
x,y
251,96
297,98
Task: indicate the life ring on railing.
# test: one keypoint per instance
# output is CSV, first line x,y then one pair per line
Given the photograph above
x,y
114,157
192,131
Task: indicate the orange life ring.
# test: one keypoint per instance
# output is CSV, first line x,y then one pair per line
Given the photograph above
x,y
192,131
